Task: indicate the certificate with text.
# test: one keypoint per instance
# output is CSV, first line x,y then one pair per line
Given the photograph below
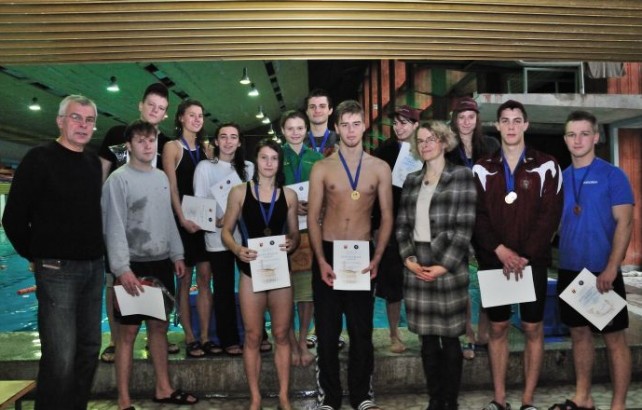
x,y
221,189
270,269
349,259
201,211
497,290
148,303
583,296
405,164
301,189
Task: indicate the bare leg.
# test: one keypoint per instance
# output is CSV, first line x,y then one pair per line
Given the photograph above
x,y
393,310
124,353
204,298
157,339
533,356
294,348
184,308
280,306
483,327
619,355
306,310
583,358
498,356
113,324
252,309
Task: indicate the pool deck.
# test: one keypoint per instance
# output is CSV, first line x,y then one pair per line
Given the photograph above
x,y
398,378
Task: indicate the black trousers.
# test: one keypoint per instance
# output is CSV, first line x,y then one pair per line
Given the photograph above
x,y
329,307
442,360
222,264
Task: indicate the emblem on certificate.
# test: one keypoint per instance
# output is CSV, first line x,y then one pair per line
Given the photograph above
x,y
510,197
355,195
577,209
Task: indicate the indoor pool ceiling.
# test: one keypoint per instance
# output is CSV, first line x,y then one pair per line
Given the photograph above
x,y
51,48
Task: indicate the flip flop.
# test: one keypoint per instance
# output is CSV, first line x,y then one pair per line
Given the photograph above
x,y
311,341
192,348
266,346
211,349
234,350
108,355
177,397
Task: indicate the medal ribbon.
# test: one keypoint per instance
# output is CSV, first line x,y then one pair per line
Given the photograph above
x,y
313,142
196,157
299,168
353,182
468,162
268,216
508,175
578,192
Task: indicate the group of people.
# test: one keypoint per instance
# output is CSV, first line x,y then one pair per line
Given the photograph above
x,y
504,197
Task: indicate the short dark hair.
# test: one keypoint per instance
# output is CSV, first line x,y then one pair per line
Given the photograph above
x,y
582,116
348,107
512,105
156,89
317,92
288,115
139,127
279,179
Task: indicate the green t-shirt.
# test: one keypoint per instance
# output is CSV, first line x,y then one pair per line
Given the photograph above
x,y
291,163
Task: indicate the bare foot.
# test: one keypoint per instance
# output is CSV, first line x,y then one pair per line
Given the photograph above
x,y
396,345
307,358
284,403
296,355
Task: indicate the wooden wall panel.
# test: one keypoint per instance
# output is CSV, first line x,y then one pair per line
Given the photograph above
x,y
39,31
630,142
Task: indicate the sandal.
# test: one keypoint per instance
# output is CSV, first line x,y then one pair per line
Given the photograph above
x,y
311,341
266,346
569,405
234,350
468,351
211,349
178,397
341,343
109,354
172,348
192,350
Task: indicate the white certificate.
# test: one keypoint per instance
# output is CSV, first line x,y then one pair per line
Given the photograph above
x,y
221,189
201,211
350,258
496,290
270,269
148,303
301,189
583,296
404,165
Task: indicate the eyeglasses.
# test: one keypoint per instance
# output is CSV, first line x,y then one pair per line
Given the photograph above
x,y
79,119
429,140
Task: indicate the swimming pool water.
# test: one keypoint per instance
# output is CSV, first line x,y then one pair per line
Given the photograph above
x,y
19,312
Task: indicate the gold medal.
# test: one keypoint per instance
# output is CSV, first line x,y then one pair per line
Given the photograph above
x,y
355,195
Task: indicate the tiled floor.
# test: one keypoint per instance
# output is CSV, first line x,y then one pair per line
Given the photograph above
x,y
468,400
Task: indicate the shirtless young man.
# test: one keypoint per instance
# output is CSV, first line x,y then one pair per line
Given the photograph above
x,y
343,189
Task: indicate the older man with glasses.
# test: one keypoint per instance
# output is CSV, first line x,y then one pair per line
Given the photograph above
x,y
53,219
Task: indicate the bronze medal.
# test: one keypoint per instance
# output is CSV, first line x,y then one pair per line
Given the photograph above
x,y
577,209
267,231
355,195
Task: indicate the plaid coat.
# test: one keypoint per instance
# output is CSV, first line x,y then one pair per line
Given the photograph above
x,y
439,307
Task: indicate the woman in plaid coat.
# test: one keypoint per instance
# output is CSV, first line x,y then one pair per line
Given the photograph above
x,y
434,226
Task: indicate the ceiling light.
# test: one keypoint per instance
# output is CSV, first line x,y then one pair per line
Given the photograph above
x,y
271,130
113,85
245,79
34,106
266,120
260,114
253,91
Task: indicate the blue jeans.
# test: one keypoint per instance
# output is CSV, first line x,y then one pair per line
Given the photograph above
x,y
69,322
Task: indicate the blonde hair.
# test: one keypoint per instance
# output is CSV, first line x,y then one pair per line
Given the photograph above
x,y
440,130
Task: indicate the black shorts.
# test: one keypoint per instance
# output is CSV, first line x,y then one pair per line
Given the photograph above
x,y
529,312
571,318
162,270
390,275
194,245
